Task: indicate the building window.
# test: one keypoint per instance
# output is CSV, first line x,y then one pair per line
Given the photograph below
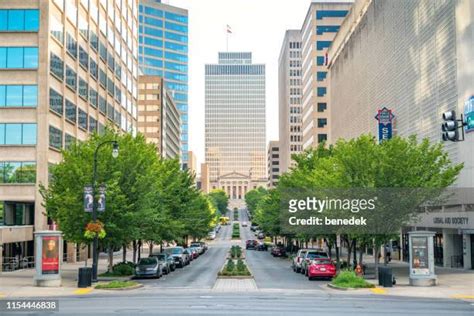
x,y
18,57
322,122
93,97
322,91
322,107
92,124
321,29
110,86
17,172
94,70
57,29
111,62
55,137
320,45
321,75
83,89
83,58
102,78
71,45
94,40
69,140
102,105
71,78
110,111
82,119
56,66
18,95
322,138
103,52
71,111
321,14
17,133
19,20
55,102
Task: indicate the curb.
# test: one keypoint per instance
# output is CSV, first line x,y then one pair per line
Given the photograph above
x,y
335,287
123,288
236,277
107,279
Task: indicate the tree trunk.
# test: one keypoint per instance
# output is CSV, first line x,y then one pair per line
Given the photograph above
x,y
134,251
349,252
124,253
111,259
361,255
354,247
376,260
161,246
150,248
139,249
338,261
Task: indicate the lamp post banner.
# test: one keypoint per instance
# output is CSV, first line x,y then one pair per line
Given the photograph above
x,y
101,201
88,199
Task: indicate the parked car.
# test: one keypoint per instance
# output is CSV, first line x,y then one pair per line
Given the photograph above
x,y
321,268
297,260
244,224
211,235
194,252
189,252
251,244
260,235
181,258
198,246
149,268
279,251
261,246
253,227
166,260
311,255
217,228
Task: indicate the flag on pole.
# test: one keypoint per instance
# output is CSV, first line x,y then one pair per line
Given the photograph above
x,y
229,29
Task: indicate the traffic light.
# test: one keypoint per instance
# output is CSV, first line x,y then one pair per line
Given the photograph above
x,y
451,127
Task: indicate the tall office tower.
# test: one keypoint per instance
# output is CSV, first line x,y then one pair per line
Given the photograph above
x,y
67,68
289,98
321,24
163,38
235,124
416,59
158,116
273,163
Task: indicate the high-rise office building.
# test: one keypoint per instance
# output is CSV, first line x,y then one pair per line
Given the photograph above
x,y
158,116
273,163
235,123
416,59
289,99
163,38
321,24
67,68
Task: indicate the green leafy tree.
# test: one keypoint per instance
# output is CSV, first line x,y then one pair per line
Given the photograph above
x,y
220,199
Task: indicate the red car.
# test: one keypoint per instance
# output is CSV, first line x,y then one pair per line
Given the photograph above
x,y
321,268
278,251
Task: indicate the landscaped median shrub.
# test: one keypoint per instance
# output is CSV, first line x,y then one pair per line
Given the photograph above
x,y
235,252
120,269
232,269
236,231
348,279
116,284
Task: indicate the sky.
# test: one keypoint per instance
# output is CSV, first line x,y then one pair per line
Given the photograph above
x,y
257,26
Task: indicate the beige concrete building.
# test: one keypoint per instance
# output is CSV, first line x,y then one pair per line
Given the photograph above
x,y
319,29
192,163
289,99
205,185
158,116
67,68
273,163
415,58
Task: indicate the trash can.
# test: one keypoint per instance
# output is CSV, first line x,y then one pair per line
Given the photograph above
x,y
85,277
385,277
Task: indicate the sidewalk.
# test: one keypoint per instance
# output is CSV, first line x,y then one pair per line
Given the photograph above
x,y
19,283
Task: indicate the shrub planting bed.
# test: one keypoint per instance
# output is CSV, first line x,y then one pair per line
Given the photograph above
x,y
235,268
348,279
236,231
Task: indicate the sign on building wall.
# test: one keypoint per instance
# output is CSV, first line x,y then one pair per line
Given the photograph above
x,y
469,114
385,118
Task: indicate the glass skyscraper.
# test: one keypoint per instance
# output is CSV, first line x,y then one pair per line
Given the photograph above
x,y
163,51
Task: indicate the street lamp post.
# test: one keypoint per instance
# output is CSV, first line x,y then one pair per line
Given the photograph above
x,y
95,252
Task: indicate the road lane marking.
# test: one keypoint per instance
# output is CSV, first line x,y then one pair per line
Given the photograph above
x,y
83,291
463,296
379,291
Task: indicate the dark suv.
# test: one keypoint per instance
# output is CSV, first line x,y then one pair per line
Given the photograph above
x,y
181,257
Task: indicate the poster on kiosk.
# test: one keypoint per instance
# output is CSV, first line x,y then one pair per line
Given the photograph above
x,y
48,258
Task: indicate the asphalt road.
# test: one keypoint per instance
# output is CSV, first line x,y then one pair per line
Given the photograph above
x,y
274,273
202,272
184,303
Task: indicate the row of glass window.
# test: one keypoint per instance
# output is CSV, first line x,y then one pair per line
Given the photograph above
x,y
17,133
26,20
17,172
18,57
159,13
18,95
